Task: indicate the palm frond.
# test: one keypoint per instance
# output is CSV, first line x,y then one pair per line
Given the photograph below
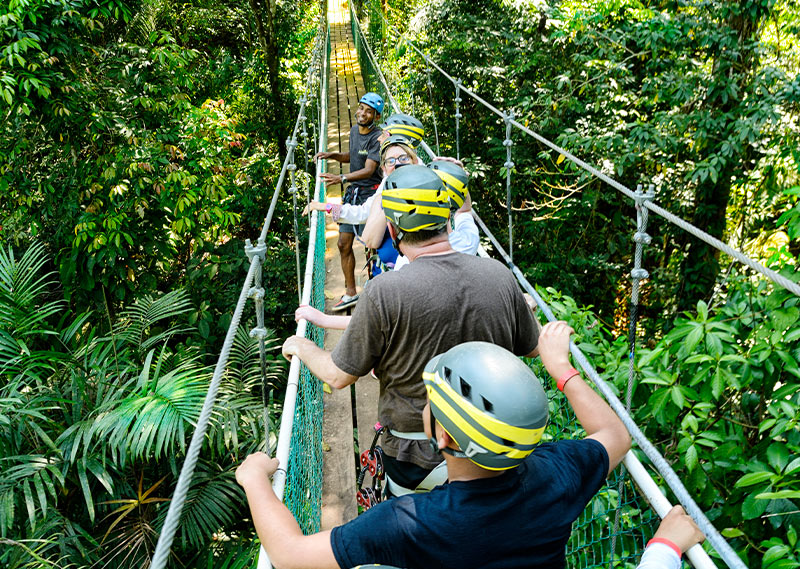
x,y
213,502
240,408
135,321
153,421
22,312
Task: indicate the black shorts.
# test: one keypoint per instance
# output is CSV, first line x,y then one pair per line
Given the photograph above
x,y
350,228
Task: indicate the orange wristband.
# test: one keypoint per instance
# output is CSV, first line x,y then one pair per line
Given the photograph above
x,y
666,542
565,377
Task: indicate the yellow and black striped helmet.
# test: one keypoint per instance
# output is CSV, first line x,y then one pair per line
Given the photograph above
x,y
489,402
414,199
405,125
455,180
395,139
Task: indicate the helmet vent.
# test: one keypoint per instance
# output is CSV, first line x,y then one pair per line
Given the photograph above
x,y
487,405
508,443
466,389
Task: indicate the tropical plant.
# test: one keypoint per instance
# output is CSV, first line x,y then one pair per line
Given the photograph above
x,y
94,422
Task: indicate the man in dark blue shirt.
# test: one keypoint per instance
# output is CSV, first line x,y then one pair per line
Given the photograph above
x,y
510,502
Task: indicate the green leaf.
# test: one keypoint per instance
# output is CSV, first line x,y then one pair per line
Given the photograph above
x,y
752,508
732,532
691,458
793,467
785,494
775,553
754,478
778,456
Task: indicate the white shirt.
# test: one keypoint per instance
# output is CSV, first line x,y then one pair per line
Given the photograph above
x,y
659,556
358,214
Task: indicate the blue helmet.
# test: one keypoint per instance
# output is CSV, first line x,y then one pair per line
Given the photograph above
x,y
373,100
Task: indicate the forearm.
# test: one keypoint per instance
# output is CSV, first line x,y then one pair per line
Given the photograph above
x,y
320,364
274,523
281,536
598,419
335,322
375,228
365,172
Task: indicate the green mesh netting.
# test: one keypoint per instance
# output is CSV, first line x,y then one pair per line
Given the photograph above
x,y
303,495
597,528
593,531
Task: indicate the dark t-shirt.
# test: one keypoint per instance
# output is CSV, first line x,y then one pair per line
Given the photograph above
x,y
404,318
523,518
363,146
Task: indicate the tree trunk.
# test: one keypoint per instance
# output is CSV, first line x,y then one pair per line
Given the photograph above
x,y
267,36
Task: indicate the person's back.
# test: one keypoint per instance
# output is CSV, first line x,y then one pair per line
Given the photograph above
x,y
520,519
406,317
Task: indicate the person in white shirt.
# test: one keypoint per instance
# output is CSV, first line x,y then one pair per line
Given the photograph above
x,y
676,534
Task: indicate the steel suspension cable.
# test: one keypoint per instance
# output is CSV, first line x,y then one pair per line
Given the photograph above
x,y
641,238
672,218
659,462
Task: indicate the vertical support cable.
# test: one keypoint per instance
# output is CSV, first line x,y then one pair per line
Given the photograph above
x,y
508,143
303,119
458,115
291,144
260,332
641,238
433,109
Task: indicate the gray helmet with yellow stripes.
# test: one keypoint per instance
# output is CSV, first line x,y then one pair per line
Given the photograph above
x,y
455,180
414,199
395,139
489,402
405,125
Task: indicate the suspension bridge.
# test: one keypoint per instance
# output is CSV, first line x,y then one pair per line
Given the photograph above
x,y
318,485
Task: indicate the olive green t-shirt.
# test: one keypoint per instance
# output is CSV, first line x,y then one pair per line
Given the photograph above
x,y
404,318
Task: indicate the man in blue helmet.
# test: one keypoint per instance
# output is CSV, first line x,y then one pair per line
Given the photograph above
x,y
363,180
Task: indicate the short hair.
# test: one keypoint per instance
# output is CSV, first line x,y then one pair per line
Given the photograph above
x,y
421,236
406,148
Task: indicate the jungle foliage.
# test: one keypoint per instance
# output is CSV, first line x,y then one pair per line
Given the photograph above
x,y
139,146
699,100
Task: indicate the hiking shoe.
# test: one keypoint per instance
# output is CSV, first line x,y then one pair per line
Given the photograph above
x,y
344,303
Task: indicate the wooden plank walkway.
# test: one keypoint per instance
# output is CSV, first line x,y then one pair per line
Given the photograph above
x,y
349,413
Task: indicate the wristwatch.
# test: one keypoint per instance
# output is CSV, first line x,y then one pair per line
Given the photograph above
x,y
344,179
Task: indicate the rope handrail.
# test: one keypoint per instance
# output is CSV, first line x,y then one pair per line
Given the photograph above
x,y
670,217
290,400
662,466
257,256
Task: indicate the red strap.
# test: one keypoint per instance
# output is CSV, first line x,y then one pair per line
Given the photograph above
x,y
565,377
666,542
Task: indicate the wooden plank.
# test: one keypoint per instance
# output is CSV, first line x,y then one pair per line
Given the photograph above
x,y
339,471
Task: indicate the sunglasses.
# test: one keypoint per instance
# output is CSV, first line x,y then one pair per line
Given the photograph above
x,y
403,159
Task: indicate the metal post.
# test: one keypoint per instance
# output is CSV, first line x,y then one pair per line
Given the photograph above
x,y
641,238
508,143
457,85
